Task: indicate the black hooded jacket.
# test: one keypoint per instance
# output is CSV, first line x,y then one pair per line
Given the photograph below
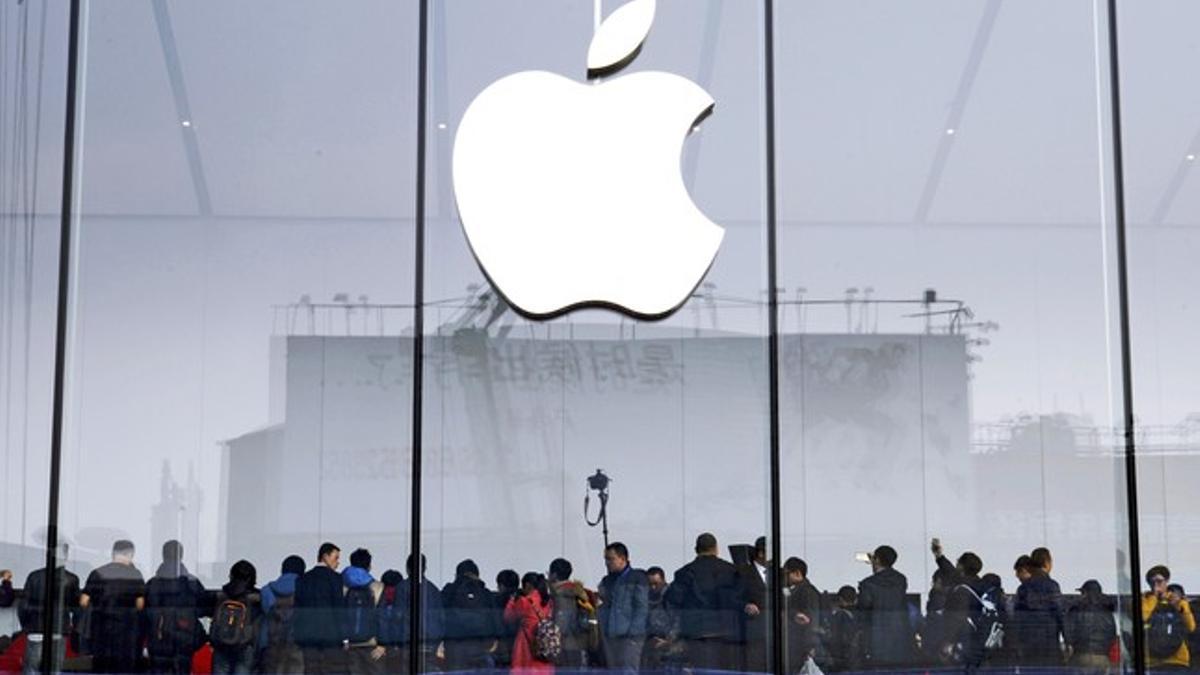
x,y
883,613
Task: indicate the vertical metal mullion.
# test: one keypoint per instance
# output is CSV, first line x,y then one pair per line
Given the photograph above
x,y
776,547
415,579
52,599
1139,649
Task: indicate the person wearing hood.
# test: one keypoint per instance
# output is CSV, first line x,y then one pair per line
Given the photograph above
x,y
362,598
235,621
883,611
280,653
174,599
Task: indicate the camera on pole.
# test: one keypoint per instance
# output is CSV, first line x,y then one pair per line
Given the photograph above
x,y
599,482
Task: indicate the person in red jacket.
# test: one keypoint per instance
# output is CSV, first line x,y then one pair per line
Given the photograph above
x,y
524,610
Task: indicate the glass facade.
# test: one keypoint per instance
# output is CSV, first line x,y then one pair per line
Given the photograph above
x,y
889,429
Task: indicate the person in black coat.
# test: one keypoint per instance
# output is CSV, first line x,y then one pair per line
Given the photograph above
x,y
755,580
1090,629
883,613
1038,615
31,611
432,630
320,607
705,595
964,605
174,602
508,583
802,615
472,624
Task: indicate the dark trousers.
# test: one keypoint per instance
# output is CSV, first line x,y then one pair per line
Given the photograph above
x,y
472,654
754,655
233,660
396,659
283,658
711,653
176,664
324,660
114,663
623,653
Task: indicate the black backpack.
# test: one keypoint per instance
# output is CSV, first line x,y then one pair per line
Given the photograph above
x,y
280,619
1165,631
360,614
174,625
392,627
469,610
173,631
232,624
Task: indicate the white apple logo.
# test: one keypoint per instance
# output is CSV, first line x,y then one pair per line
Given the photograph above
x,y
571,194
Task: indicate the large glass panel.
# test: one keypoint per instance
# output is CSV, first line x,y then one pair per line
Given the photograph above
x,y
948,351
32,89
520,414
240,357
1162,140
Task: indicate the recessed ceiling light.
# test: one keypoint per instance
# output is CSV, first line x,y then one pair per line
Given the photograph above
x,y
1191,158
950,132
186,123
441,125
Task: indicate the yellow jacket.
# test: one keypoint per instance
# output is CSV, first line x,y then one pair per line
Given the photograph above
x,y
1181,657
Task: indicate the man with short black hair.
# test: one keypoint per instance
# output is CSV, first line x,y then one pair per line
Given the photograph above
x,y
802,614
362,593
432,629
705,595
624,609
471,621
508,585
661,630
1021,568
115,593
1041,557
883,612
1038,614
574,614
32,617
964,606
756,578
320,609
844,641
280,653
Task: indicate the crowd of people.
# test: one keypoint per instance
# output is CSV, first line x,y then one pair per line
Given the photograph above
x,y
710,614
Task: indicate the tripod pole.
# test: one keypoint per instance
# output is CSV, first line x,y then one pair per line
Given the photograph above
x,y
604,515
